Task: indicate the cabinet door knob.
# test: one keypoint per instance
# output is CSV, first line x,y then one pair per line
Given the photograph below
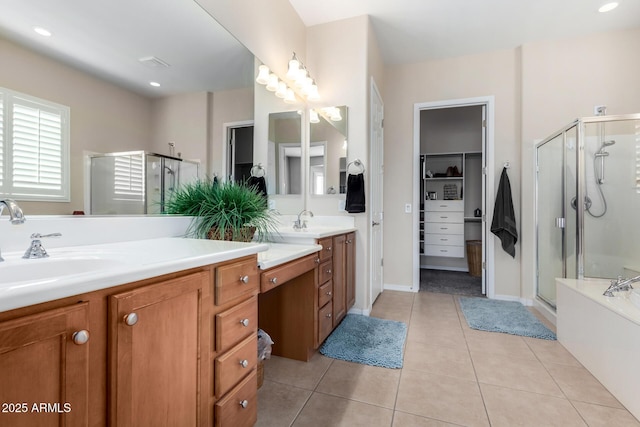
x,y
245,322
317,260
244,279
274,280
329,315
328,271
349,241
244,363
329,293
131,319
329,248
80,337
244,403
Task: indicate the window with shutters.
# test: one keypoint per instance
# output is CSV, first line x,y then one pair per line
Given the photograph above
x,y
127,181
34,148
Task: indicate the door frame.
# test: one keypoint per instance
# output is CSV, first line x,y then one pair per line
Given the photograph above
x,y
226,129
488,255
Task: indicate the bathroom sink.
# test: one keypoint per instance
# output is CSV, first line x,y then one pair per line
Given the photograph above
x,y
30,270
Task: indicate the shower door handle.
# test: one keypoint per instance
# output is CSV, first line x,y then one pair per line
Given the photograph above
x,y
560,222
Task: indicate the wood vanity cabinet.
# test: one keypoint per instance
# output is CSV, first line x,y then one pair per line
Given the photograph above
x,y
44,368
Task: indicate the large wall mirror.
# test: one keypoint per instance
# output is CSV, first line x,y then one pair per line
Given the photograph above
x,y
100,60
285,161
328,150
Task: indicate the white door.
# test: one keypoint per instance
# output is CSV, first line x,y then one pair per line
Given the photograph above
x,y
376,178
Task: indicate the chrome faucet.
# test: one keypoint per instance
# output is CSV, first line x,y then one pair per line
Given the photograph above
x,y
15,213
299,224
620,284
36,250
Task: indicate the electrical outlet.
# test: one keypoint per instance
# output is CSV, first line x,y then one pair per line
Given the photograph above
x,y
407,208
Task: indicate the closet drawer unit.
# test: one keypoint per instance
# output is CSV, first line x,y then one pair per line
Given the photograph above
x,y
325,321
441,250
445,239
327,250
444,228
325,271
239,408
445,216
235,280
325,292
235,364
444,205
235,324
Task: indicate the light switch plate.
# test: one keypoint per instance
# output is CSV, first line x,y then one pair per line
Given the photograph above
x,y
407,208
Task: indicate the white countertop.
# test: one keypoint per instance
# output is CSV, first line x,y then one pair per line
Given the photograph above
x,y
79,269
280,253
307,235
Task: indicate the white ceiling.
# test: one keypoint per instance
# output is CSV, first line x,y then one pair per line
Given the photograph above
x,y
418,30
107,37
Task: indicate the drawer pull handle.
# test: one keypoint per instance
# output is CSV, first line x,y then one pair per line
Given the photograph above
x,y
329,248
245,322
444,217
317,260
443,240
244,279
244,363
131,319
329,293
244,403
443,250
329,315
80,337
443,206
328,271
274,280
444,228
349,241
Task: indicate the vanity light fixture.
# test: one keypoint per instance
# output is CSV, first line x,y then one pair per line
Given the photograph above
x,y
281,92
297,77
272,84
290,97
608,7
263,75
313,116
42,31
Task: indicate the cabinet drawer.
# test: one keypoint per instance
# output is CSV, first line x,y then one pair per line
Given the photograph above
x,y
235,324
445,239
279,275
448,217
444,228
235,364
327,248
239,408
235,280
448,251
325,321
325,272
444,205
325,292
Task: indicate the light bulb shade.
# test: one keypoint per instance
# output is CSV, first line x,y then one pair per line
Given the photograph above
x,y
335,115
281,92
313,117
294,69
290,97
313,94
263,75
272,84
301,78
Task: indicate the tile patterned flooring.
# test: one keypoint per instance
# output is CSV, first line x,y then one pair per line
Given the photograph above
x,y
452,376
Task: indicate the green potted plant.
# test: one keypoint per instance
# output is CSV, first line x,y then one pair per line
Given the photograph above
x,y
222,211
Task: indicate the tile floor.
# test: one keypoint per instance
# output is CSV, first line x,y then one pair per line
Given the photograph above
x,y
452,376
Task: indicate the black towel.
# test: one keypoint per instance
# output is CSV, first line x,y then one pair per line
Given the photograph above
x,y
259,183
355,194
504,219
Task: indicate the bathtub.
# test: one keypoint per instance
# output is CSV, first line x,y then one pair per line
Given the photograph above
x,y
603,333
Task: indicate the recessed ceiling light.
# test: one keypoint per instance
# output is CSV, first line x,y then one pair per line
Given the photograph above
x,y
607,7
154,84
42,31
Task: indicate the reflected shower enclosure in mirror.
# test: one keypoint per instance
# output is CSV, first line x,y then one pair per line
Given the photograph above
x,y
328,150
284,165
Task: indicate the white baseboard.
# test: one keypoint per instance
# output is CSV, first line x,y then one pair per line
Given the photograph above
x,y
354,310
402,288
440,267
524,301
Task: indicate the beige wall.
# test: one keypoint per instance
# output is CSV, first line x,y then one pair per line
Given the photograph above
x,y
563,80
104,117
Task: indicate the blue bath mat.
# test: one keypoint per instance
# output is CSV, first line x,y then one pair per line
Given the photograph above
x,y
509,317
367,340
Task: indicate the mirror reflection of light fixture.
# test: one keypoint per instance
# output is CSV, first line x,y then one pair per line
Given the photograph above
x,y
313,117
263,75
272,85
281,92
313,92
290,97
294,68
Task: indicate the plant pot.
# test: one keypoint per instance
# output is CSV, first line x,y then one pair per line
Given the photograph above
x,y
243,234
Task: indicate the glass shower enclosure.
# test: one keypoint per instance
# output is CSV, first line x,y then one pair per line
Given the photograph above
x,y
136,182
595,160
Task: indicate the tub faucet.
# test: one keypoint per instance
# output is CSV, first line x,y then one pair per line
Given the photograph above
x,y
620,284
15,213
299,224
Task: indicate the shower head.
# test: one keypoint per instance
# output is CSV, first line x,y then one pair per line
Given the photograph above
x,y
608,143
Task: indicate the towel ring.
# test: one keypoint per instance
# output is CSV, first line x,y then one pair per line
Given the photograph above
x,y
357,163
257,170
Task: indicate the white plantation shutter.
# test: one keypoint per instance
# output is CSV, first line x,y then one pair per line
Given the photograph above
x,y
36,148
127,183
